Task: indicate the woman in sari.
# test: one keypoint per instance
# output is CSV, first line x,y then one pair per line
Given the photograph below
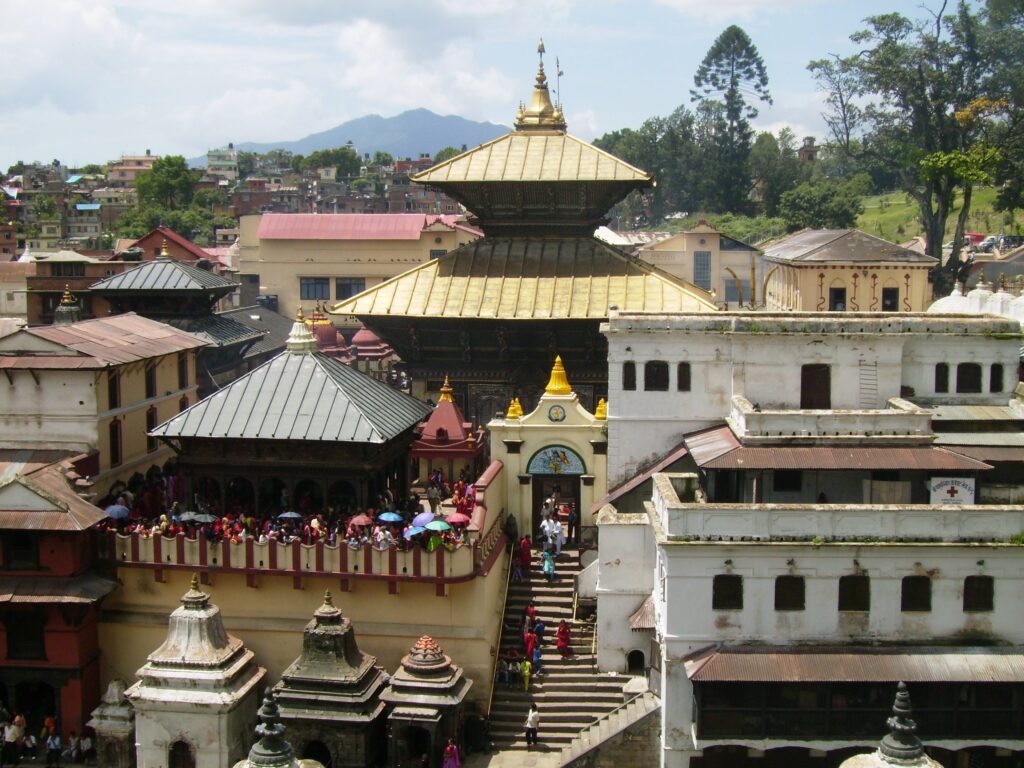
x,y
563,639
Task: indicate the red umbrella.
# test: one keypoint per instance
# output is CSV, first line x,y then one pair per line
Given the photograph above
x,y
457,518
361,520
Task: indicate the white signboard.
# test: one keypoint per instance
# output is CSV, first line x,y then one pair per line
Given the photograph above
x,y
951,490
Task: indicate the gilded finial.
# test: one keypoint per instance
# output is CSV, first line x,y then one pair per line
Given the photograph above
x,y
601,412
541,114
164,253
328,600
558,384
446,392
511,412
299,317
67,298
195,576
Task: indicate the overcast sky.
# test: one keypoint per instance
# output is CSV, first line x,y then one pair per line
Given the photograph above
x,y
87,80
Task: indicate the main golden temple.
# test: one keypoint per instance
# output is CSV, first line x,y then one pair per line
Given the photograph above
x,y
493,314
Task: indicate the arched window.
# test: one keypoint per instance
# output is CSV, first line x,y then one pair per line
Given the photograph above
x,y
942,377
180,755
629,376
854,593
968,377
995,378
656,376
635,662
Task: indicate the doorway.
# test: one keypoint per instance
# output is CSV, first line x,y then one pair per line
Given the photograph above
x,y
317,750
36,700
413,744
180,755
836,299
815,387
567,488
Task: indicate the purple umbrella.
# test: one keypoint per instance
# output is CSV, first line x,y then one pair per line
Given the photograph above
x,y
423,518
120,512
413,531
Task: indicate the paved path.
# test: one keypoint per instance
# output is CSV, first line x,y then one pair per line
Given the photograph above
x,y
539,757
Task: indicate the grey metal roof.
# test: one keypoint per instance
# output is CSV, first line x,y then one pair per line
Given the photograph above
x,y
218,330
975,413
273,326
164,274
842,246
300,397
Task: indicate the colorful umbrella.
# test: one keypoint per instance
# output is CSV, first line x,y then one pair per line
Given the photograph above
x,y
437,525
389,517
458,518
289,516
204,517
423,518
117,511
413,531
361,520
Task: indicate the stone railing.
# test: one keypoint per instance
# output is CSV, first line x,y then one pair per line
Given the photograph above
x,y
902,422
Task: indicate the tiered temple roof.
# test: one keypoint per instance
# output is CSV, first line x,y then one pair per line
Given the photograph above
x,y
427,679
446,432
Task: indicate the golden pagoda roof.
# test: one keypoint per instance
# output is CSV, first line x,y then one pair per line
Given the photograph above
x,y
532,156
528,279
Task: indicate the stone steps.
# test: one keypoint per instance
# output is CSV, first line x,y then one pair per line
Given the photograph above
x,y
609,726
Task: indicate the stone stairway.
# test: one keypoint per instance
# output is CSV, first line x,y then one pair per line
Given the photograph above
x,y
569,693
609,726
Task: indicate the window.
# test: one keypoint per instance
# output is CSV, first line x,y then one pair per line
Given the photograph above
x,y
656,376
942,377
995,378
21,551
732,295
314,288
890,299
26,638
113,390
346,287
683,377
436,253
151,381
979,593
854,593
789,593
968,377
815,387
629,376
67,269
836,299
183,404
182,370
787,480
916,594
702,269
151,422
727,593
114,435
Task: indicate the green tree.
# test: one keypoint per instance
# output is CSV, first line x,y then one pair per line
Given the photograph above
x,y
210,198
820,205
899,98
382,158
44,207
248,162
446,154
732,71
774,167
344,159
92,169
169,183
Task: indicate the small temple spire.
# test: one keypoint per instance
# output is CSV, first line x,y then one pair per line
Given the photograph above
x,y
601,412
558,384
300,341
164,253
68,310
513,412
446,392
540,114
901,743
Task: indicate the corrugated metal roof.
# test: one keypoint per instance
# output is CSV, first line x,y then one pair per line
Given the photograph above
x,y
218,330
532,156
272,326
763,664
990,452
842,246
954,440
118,339
87,588
708,444
164,274
825,457
643,617
528,279
41,362
56,506
300,397
347,226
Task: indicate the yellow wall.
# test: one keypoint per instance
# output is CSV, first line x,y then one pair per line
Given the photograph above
x,y
135,456
805,288
270,617
281,263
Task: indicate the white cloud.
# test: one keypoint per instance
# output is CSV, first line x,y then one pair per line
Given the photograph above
x,y
726,10
583,123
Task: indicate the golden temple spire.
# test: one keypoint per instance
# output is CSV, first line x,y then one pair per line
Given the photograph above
x,y
67,298
446,392
299,317
164,253
515,409
558,384
540,114
601,412
300,340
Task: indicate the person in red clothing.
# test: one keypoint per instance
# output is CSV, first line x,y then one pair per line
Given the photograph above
x,y
525,555
530,642
563,639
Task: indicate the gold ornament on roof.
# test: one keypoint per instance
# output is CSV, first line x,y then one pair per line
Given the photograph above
x,y
515,409
558,384
446,392
601,412
299,317
540,114
67,299
164,253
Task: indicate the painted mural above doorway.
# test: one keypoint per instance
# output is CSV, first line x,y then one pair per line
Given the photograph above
x,y
556,460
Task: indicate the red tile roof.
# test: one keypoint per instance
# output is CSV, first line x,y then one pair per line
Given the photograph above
x,y
174,237
349,226
112,340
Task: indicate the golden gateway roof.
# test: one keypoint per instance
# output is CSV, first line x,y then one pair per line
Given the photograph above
x,y
528,279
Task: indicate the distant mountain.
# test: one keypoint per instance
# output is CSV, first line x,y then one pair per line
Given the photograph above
x,y
406,135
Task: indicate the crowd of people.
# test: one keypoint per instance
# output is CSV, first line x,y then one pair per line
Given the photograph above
x,y
22,745
396,522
